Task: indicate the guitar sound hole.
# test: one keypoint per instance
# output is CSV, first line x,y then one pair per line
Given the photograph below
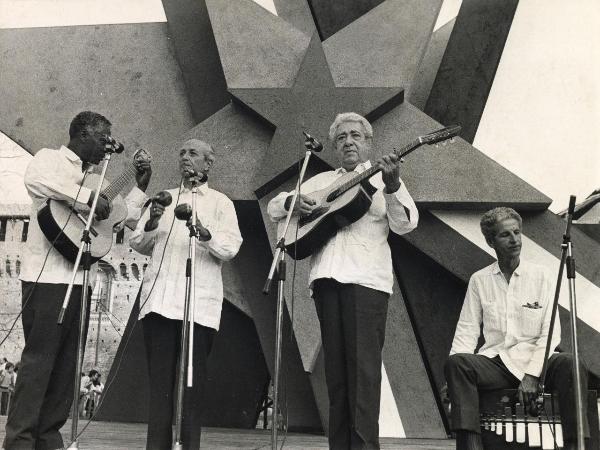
x,y
317,212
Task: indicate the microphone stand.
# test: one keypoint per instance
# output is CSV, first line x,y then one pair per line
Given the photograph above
x,y
567,258
187,325
279,263
84,258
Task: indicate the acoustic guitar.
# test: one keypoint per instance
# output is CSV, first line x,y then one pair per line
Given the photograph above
x,y
344,202
63,225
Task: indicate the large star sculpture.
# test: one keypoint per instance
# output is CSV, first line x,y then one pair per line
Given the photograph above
x,y
310,105
294,83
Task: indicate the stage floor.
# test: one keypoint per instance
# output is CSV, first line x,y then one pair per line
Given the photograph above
x,y
132,436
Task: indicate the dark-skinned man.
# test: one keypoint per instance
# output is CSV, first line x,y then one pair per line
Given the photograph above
x,y
512,299
44,390
351,279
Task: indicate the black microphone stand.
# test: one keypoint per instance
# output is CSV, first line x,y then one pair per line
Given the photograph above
x,y
278,263
187,325
567,259
84,258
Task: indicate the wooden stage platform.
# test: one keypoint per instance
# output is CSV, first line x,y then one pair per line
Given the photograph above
x,y
132,436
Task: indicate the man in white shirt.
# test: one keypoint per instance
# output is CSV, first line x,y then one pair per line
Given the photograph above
x,y
162,295
44,389
351,278
513,300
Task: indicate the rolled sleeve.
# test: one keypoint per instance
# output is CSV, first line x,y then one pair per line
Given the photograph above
x,y
135,202
226,238
143,241
275,207
402,213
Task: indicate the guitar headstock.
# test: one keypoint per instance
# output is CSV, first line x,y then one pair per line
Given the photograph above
x,y
440,135
142,155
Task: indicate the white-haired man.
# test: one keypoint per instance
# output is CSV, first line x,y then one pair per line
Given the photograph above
x,y
351,279
162,294
513,300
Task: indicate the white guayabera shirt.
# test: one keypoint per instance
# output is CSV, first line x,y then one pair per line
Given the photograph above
x,y
57,175
163,291
515,317
359,253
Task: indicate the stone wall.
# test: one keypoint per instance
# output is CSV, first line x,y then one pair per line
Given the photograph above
x,y
118,280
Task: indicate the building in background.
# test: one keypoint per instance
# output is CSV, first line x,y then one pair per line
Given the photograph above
x,y
117,282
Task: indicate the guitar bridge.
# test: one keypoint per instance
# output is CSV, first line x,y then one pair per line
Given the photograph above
x,y
317,212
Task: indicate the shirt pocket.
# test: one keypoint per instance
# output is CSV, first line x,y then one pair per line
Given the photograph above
x,y
530,321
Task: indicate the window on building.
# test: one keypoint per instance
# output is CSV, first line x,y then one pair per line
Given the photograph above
x,y
18,267
144,267
135,270
120,236
25,230
123,270
3,225
8,269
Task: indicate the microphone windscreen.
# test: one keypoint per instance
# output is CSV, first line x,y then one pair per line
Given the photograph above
x,y
183,211
164,198
572,200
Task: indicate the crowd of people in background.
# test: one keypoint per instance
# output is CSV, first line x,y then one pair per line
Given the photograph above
x,y
8,378
90,390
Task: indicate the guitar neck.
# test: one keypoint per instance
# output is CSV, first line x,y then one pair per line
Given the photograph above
x,y
375,169
115,188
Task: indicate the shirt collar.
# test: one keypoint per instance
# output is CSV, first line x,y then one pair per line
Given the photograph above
x,y
202,189
496,268
70,155
358,169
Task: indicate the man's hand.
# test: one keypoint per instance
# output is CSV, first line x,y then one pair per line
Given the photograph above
x,y
528,390
390,172
103,207
156,212
202,232
143,174
304,204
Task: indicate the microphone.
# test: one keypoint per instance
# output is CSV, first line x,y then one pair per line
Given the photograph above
x,y
111,145
571,210
183,212
315,145
163,197
201,177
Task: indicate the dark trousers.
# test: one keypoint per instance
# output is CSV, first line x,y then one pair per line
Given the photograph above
x,y
44,390
467,374
163,338
352,319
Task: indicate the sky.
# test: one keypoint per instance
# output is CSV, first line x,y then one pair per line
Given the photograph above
x,y
542,115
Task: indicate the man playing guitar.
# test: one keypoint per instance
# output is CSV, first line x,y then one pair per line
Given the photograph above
x,y
44,390
351,279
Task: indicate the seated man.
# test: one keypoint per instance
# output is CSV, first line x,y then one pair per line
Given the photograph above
x,y
513,300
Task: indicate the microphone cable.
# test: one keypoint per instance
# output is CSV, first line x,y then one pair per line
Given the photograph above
x,y
127,336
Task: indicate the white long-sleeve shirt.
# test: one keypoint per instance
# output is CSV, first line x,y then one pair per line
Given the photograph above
x,y
57,174
515,317
163,291
359,253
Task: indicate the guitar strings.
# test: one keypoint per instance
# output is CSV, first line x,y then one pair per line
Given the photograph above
x,y
26,301
132,329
